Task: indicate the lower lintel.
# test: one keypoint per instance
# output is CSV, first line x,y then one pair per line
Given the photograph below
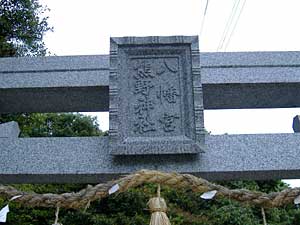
x,y
87,159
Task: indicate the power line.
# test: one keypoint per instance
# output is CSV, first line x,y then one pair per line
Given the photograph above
x,y
203,20
236,22
228,24
206,7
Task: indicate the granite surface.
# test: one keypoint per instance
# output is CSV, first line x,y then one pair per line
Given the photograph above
x,y
9,130
156,104
87,159
80,83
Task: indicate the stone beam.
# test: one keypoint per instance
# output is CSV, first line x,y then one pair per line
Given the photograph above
x,y
86,159
251,80
54,84
80,83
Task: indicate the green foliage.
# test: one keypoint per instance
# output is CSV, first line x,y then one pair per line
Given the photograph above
x,y
262,186
129,208
54,124
129,204
22,27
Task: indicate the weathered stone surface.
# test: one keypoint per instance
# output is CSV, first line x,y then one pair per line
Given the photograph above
x,y
80,83
9,130
50,64
87,159
230,80
54,84
296,124
156,104
250,80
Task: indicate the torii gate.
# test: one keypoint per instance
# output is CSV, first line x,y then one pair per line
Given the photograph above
x,y
81,83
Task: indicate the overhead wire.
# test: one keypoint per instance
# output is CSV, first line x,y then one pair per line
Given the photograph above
x,y
203,20
234,26
228,24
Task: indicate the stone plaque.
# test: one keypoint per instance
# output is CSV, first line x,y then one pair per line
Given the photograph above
x,y
156,104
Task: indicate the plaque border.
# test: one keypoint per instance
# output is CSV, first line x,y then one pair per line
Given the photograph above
x,y
115,42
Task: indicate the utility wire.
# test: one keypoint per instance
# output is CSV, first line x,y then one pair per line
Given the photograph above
x,y
228,24
236,22
203,20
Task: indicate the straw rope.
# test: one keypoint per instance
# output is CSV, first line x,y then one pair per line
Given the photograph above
x,y
178,181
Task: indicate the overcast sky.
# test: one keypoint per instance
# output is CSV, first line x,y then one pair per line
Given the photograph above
x,y
84,28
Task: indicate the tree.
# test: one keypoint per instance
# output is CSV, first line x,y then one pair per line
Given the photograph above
x,y
22,28
54,124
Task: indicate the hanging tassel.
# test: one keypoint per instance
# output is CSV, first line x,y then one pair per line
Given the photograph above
x,y
264,216
56,217
158,208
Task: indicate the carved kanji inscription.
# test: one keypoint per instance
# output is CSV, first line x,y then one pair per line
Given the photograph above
x,y
156,93
154,102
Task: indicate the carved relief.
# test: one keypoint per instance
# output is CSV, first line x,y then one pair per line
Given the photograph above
x,y
168,93
155,94
152,88
168,122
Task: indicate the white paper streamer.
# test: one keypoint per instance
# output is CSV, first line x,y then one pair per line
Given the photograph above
x,y
15,197
209,194
5,209
113,189
297,200
3,214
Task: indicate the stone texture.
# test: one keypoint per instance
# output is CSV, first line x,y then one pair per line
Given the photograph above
x,y
87,159
54,84
296,124
65,99
80,83
156,104
52,63
250,59
250,80
9,130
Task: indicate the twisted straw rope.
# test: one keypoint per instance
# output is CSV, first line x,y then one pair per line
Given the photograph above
x,y
178,181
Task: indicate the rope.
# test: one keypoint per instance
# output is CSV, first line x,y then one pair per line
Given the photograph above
x,y
158,209
178,181
264,216
158,191
56,216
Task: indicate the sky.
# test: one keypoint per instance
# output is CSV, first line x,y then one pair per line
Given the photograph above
x,y
84,28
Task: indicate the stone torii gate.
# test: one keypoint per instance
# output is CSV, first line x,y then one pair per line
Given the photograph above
x,y
152,88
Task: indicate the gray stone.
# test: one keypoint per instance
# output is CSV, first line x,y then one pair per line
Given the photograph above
x,y
65,99
156,104
51,64
230,80
54,84
87,159
9,130
80,83
250,80
296,124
